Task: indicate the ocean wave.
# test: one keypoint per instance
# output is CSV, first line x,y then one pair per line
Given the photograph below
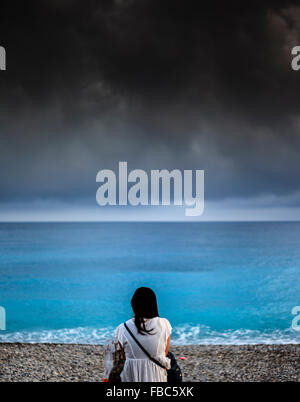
x,y
201,334
181,335
80,335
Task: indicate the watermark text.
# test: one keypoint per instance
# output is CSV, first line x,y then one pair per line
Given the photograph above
x,y
296,320
2,319
153,190
295,60
2,58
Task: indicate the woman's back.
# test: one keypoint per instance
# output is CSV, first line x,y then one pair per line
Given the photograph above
x,y
138,367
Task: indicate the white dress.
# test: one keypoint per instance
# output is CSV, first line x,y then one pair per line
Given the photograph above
x,y
138,367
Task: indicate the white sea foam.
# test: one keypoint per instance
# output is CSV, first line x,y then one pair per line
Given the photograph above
x,y
200,334
78,335
182,335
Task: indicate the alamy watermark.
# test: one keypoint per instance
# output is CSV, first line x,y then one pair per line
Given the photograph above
x,y
295,325
2,319
153,190
295,64
2,58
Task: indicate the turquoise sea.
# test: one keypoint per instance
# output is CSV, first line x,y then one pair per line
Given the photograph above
x,y
217,283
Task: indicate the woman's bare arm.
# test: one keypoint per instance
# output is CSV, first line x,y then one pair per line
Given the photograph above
x,y
168,345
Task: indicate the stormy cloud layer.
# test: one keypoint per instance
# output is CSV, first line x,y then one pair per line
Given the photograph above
x,y
167,84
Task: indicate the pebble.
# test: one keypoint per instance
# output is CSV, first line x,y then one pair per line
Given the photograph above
x,y
53,362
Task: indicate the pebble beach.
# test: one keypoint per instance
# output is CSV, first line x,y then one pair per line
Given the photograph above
x,y
62,362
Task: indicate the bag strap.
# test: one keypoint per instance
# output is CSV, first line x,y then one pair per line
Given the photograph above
x,y
143,349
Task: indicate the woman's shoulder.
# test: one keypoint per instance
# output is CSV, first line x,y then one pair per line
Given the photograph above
x,y
165,322
165,326
121,326
163,319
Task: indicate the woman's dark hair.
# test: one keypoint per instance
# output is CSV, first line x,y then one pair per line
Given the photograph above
x,y
144,305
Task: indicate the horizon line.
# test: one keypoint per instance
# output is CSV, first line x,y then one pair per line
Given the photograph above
x,y
159,221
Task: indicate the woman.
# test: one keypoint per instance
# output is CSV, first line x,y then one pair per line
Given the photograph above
x,y
152,332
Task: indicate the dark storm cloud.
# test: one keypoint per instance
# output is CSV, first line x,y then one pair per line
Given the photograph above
x,y
157,83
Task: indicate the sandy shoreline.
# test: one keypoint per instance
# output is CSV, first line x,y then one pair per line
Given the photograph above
x,y
57,362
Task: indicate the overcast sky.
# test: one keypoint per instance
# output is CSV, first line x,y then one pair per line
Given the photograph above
x,y
160,84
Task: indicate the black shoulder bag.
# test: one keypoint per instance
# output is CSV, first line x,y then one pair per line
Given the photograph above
x,y
174,373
